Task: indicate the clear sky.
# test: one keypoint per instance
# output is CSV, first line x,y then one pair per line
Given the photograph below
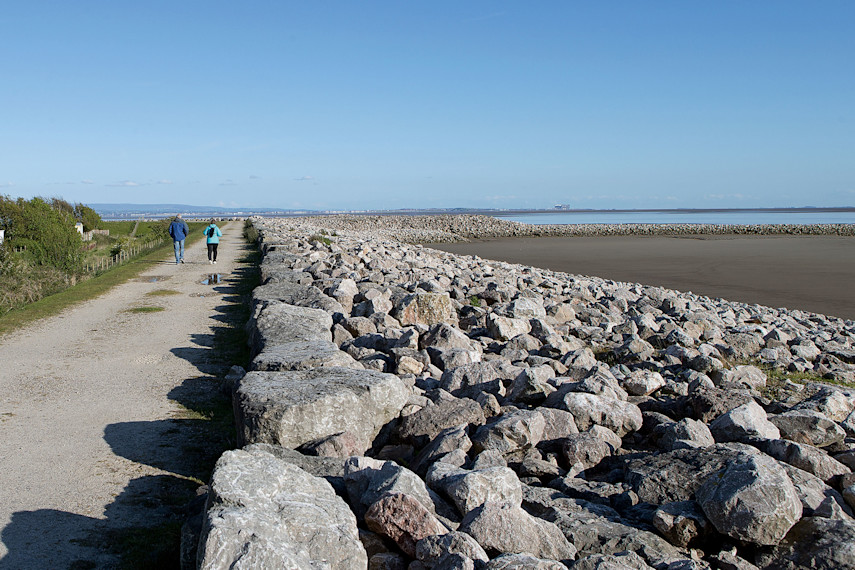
x,y
423,104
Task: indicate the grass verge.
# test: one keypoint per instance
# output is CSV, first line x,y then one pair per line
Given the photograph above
x,y
162,293
145,310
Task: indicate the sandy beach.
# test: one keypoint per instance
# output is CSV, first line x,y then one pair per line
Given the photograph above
x,y
811,273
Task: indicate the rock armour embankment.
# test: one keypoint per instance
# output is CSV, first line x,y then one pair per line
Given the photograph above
x,y
455,228
408,408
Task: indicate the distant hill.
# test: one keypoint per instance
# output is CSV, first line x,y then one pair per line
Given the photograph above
x,y
152,208
113,211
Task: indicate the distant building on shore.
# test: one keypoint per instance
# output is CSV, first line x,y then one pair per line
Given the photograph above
x,y
561,207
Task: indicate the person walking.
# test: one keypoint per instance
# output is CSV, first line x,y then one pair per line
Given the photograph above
x,y
213,234
178,231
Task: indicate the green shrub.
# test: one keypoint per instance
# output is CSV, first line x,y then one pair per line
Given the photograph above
x,y
249,231
45,233
90,219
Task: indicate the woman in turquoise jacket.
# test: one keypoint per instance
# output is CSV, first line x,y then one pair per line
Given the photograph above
x,y
213,234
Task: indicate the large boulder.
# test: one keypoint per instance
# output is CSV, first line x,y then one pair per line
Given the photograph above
x,y
818,499
819,543
522,562
425,309
287,290
506,328
423,426
586,449
470,380
752,499
445,337
589,409
559,424
522,429
831,403
471,489
303,355
808,426
295,407
502,528
676,475
451,440
746,375
527,308
367,480
403,519
280,323
743,422
264,512
531,386
806,457
642,382
343,291
685,434
431,549
330,468
708,403
618,561
604,534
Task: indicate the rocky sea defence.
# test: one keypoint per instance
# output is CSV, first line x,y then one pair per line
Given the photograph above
x,y
456,228
411,409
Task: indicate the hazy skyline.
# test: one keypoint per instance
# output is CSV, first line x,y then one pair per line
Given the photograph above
x,y
386,105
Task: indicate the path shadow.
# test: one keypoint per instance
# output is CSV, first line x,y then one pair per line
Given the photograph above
x,y
202,355
188,444
144,510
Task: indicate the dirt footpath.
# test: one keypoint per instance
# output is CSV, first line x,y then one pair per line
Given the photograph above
x,y
95,431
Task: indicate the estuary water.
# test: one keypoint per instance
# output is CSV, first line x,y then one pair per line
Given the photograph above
x,y
735,217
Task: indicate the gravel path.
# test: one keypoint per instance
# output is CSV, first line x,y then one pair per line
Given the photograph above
x,y
94,435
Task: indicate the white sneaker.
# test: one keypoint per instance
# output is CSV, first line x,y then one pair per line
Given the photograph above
x,y
215,263
210,262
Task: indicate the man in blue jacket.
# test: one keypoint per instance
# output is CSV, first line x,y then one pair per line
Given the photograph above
x,y
178,231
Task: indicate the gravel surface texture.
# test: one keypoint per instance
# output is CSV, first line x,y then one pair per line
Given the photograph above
x,y
95,435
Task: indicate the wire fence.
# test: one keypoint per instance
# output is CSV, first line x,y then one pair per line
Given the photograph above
x,y
101,264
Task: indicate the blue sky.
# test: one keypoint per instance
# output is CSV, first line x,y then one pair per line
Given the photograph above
x,y
385,105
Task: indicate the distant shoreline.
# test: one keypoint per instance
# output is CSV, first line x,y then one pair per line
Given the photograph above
x,y
158,211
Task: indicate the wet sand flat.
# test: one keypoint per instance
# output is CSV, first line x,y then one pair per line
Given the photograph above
x,y
811,273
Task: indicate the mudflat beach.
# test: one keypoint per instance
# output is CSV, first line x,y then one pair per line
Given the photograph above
x,y
812,273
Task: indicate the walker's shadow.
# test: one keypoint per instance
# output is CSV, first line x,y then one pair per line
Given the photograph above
x,y
49,538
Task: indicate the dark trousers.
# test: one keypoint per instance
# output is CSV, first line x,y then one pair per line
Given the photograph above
x,y
212,251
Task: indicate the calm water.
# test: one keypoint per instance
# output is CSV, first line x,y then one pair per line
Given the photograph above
x,y
672,217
